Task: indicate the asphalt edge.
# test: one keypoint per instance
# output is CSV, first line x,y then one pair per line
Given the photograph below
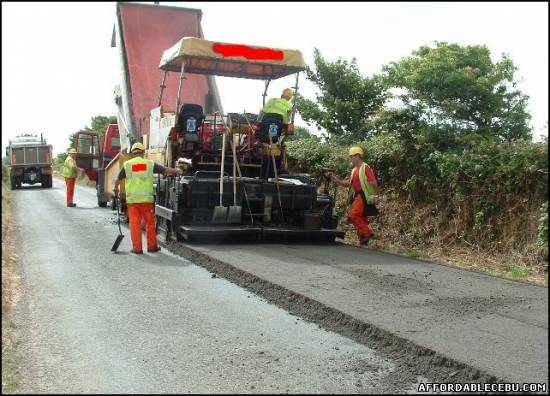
x,y
408,355
445,264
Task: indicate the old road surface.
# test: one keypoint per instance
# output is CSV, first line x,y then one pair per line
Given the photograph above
x,y
274,318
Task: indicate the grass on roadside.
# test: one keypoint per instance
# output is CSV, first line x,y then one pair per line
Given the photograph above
x,y
525,265
10,287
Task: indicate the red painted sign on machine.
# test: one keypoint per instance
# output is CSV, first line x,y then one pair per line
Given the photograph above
x,y
227,50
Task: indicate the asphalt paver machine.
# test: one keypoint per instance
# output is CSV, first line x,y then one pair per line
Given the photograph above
x,y
275,202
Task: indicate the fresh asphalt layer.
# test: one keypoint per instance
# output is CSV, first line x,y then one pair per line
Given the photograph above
x,y
90,321
494,327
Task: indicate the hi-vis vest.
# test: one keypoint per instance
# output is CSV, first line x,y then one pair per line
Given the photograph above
x,y
68,170
279,106
139,180
367,188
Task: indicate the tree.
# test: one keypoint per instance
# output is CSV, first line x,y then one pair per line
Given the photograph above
x,y
462,87
302,133
346,101
60,158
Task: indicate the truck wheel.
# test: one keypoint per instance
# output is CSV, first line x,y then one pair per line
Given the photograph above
x,y
47,182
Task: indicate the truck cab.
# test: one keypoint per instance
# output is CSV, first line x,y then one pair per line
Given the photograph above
x,y
94,159
111,145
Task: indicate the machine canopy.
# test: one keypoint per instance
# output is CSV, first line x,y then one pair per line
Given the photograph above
x,y
231,60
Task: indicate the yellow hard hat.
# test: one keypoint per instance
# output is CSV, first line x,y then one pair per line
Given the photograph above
x,y
138,146
287,93
72,151
355,150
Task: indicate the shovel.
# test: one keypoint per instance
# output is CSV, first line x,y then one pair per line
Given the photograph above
x,y
119,237
235,212
220,212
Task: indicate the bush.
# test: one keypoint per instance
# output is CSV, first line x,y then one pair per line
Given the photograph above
x,y
5,174
542,236
488,189
311,156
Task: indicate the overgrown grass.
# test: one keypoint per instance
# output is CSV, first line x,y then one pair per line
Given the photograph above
x,y
424,233
10,285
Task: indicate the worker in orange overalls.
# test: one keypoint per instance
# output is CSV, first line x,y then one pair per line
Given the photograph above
x,y
362,194
69,172
140,196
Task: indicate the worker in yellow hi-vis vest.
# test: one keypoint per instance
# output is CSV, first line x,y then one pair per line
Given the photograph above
x,y
140,196
362,194
280,106
69,172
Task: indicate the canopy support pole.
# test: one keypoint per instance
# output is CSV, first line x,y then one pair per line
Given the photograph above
x,y
162,86
178,101
265,91
295,97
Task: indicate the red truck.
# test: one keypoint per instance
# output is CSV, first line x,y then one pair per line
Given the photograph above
x,y
93,160
140,35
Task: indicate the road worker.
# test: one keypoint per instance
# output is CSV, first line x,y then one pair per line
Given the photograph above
x,y
280,106
138,174
69,172
362,194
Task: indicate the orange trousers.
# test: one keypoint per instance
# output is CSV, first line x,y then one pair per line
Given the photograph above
x,y
137,212
360,222
69,184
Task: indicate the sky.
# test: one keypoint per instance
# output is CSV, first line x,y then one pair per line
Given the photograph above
x,y
58,69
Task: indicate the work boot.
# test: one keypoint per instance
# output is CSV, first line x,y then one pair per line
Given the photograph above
x,y
71,205
364,241
137,251
154,249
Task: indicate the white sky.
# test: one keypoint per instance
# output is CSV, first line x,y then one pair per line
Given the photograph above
x,y
58,69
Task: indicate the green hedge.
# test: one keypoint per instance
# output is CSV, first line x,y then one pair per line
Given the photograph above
x,y
486,184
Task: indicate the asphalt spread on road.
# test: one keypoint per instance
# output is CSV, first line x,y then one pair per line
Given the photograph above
x,y
90,321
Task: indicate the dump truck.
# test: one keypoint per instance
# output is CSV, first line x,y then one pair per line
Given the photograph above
x,y
140,34
235,160
30,161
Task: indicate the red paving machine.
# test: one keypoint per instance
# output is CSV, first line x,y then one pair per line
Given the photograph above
x,y
236,182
